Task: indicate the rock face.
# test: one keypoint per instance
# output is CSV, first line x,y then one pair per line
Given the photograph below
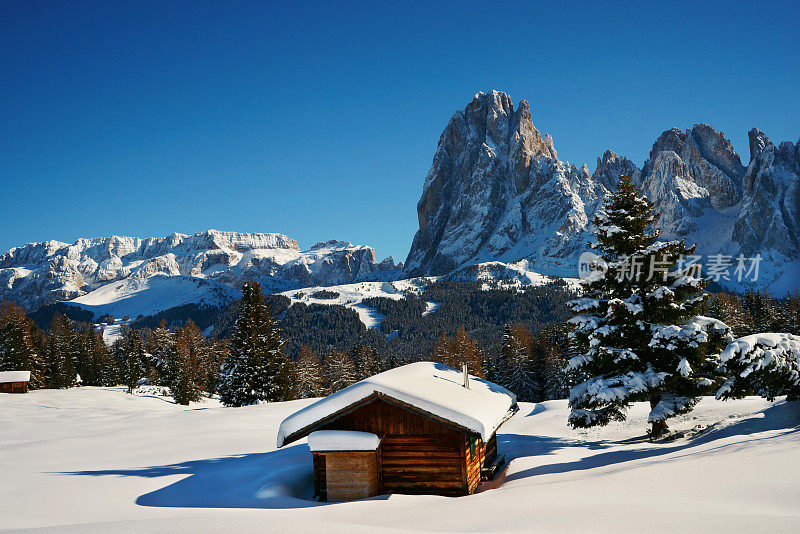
x,y
694,178
497,192
41,273
770,216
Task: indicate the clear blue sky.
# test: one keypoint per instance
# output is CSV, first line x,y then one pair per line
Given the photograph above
x,y
320,120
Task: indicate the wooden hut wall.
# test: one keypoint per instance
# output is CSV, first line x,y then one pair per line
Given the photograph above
x,y
473,451
418,454
14,387
491,450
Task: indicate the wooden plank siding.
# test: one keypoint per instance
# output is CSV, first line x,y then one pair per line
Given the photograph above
x,y
13,387
418,454
351,475
473,462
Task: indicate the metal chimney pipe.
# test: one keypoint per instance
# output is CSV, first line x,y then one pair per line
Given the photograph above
x,y
465,370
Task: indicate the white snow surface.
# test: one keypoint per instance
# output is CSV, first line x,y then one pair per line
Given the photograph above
x,y
15,376
343,440
97,460
432,387
148,296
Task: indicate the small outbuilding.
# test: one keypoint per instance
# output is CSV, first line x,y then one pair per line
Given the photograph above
x,y
423,428
14,381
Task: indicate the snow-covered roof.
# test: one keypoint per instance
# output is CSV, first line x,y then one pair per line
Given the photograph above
x,y
343,440
430,387
15,376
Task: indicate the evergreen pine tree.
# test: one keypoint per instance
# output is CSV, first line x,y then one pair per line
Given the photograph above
x,y
107,373
60,364
133,354
160,347
638,323
514,365
308,375
366,361
215,357
256,369
443,351
729,309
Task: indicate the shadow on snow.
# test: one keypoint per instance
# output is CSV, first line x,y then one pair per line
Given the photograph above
x,y
284,478
782,416
277,479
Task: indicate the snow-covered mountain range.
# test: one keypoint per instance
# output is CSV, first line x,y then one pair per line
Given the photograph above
x,y
497,204
41,273
496,191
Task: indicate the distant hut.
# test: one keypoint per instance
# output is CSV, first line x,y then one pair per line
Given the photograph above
x,y
14,381
423,428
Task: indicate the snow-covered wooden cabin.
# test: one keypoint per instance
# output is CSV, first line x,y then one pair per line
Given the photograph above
x,y
420,428
14,381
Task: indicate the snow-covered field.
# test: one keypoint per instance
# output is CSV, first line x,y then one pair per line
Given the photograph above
x,y
99,460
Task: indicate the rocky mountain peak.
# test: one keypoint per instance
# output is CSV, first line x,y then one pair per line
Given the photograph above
x,y
610,166
758,141
494,180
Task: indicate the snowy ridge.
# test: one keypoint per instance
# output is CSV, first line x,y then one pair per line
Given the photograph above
x,y
41,273
147,296
431,387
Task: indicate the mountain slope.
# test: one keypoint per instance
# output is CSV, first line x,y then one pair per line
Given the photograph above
x,y
133,297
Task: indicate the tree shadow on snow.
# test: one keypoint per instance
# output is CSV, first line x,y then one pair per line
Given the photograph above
x,y
278,479
782,416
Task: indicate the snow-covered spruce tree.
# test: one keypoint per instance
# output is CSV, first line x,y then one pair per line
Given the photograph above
x,y
638,325
765,364
307,375
256,369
